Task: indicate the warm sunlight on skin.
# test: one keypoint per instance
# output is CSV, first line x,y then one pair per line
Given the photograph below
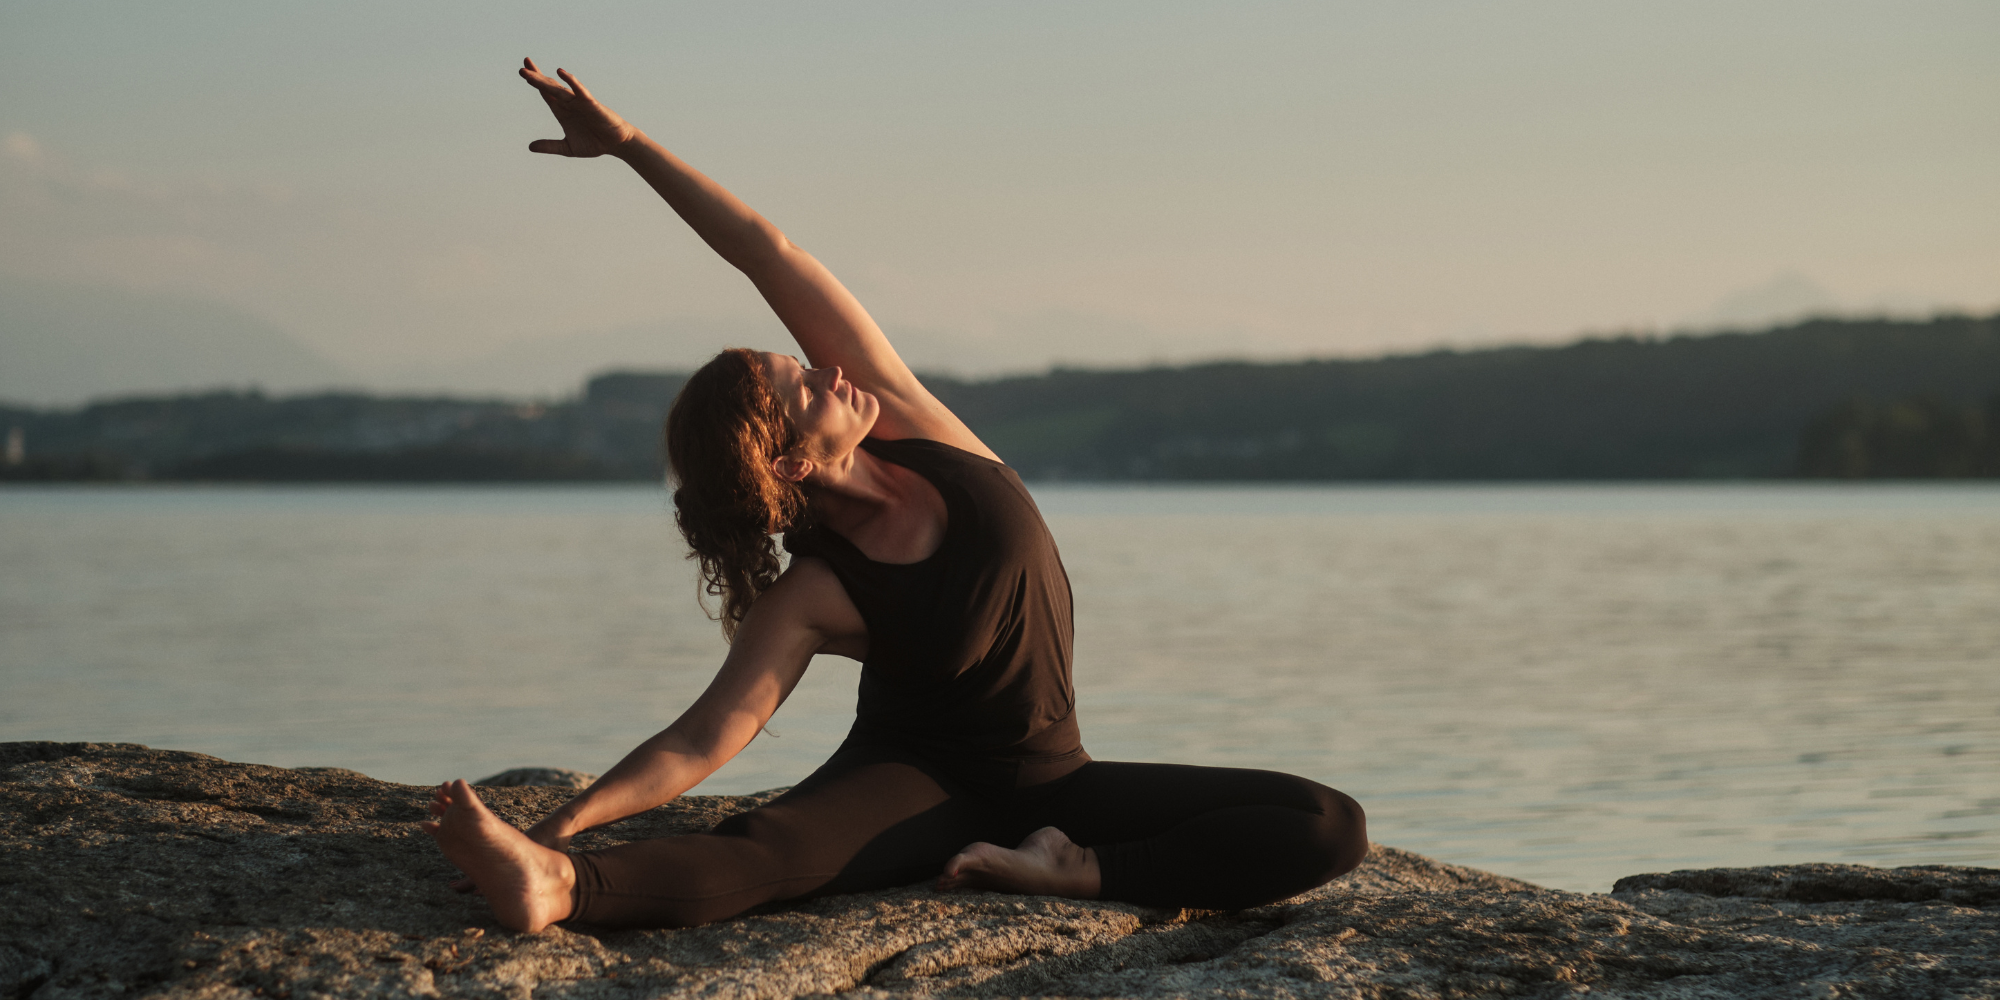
x,y
829,413
528,883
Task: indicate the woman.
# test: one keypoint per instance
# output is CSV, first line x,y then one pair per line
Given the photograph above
x,y
917,552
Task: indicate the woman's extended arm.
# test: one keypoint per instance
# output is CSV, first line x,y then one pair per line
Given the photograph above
x,y
805,612
822,315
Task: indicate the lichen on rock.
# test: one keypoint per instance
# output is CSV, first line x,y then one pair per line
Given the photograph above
x,y
127,870
544,777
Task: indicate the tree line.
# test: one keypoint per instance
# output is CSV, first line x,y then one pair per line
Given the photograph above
x,y
1924,436
1855,398
1738,405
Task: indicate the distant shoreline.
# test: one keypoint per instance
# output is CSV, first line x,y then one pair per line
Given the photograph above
x,y
1831,399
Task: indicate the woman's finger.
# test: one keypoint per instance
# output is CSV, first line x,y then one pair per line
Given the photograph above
x,y
549,88
541,81
559,147
534,72
574,83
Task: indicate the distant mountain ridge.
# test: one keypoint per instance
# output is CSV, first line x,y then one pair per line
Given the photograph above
x,y
1799,399
62,342
611,432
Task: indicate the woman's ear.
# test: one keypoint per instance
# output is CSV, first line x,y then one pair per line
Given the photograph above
x,y
792,468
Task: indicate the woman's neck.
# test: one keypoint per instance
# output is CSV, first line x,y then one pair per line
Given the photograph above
x,y
858,485
892,513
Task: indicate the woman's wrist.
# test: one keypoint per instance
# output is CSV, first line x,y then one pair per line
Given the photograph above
x,y
562,823
630,146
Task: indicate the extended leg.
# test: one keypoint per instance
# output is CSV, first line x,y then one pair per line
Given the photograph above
x,y
860,822
529,885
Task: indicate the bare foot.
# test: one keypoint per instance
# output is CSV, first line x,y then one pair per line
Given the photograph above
x,y
1046,864
528,884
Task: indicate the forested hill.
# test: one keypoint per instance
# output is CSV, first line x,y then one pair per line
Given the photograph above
x,y
1844,398
1728,405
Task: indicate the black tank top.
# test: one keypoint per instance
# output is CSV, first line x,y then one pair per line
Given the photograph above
x,y
969,650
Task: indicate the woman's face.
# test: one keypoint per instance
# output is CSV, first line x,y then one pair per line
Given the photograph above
x,y
830,414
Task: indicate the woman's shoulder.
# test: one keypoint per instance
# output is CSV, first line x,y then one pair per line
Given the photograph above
x,y
805,540
809,594
891,448
917,415
984,493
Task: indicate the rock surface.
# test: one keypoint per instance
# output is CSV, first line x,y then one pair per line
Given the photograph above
x,y
547,777
134,871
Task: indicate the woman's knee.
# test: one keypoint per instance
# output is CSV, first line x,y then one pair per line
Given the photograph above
x,y
1340,831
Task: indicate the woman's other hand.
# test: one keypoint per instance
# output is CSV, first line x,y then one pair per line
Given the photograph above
x,y
589,128
553,833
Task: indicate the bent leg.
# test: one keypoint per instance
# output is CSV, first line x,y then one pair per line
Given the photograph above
x,y
857,823
1207,837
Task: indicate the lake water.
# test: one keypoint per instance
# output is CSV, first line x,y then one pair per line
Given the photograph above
x,y
1562,683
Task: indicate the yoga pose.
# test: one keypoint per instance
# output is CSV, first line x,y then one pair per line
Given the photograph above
x,y
917,552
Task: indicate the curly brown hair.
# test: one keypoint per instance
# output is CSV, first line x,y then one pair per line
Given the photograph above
x,y
723,432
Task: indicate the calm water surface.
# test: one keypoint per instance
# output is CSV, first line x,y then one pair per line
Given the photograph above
x,y
1566,684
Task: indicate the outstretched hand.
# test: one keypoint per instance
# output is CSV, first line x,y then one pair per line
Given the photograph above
x,y
589,128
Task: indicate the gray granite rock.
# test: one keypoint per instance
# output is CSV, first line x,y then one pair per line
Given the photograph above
x,y
125,870
541,777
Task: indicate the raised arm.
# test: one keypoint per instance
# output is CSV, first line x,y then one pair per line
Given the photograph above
x,y
823,316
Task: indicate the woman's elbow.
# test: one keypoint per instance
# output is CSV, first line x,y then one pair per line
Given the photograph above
x,y
764,250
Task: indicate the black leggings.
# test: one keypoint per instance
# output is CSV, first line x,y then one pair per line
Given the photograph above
x,y
1210,838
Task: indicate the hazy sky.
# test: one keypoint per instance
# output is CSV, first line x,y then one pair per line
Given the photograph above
x,y
1010,184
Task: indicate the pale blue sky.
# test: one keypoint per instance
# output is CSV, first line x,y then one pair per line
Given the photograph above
x,y
1007,185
